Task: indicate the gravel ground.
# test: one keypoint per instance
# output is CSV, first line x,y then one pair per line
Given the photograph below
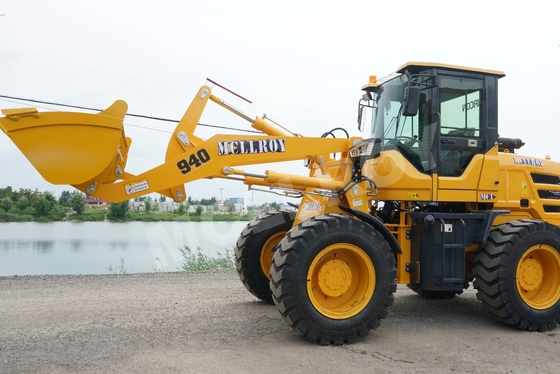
x,y
207,322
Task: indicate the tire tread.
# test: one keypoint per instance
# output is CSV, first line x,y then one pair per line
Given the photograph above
x,y
492,266
288,252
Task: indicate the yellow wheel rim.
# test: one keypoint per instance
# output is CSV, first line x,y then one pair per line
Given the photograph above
x,y
267,252
341,281
538,277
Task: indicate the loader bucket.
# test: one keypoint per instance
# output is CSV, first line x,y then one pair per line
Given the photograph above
x,y
68,147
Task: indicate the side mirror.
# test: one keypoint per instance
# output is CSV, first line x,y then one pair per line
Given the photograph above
x,y
411,101
364,102
361,117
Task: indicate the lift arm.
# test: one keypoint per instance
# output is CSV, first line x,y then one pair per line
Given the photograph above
x,y
89,152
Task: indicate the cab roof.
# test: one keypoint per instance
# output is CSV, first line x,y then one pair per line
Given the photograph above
x,y
414,66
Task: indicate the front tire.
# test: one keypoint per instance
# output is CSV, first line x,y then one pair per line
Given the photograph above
x,y
255,247
333,278
517,274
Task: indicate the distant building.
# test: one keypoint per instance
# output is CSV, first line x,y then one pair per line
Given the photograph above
x,y
167,206
236,200
137,206
95,203
192,208
162,207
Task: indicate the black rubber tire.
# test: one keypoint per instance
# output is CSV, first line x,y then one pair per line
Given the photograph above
x,y
294,258
495,271
249,247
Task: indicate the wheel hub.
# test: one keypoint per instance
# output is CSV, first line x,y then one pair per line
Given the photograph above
x,y
531,274
267,252
335,278
538,277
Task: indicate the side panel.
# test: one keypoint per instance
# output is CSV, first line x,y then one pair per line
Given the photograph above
x,y
529,187
397,179
480,177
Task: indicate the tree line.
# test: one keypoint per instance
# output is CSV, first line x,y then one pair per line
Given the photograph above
x,y
27,204
35,203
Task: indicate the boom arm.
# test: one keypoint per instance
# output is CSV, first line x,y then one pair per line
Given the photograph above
x,y
89,152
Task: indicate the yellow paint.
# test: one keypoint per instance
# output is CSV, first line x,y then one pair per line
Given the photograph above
x,y
469,180
70,148
267,252
341,281
448,66
490,173
457,195
538,277
91,155
524,189
395,176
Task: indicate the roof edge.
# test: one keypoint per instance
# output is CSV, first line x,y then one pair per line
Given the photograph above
x,y
452,67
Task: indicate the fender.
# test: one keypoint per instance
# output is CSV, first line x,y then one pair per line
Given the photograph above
x,y
378,225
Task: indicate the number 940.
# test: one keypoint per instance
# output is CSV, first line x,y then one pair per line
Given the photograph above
x,y
195,160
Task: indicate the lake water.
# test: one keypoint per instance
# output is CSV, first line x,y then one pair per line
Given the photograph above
x,y
31,248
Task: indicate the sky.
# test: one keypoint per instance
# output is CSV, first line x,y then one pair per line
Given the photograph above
x,y
300,62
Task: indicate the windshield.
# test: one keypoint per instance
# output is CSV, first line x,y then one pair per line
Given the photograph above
x,y
412,136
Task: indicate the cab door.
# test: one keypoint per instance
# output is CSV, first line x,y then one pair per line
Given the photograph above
x,y
462,141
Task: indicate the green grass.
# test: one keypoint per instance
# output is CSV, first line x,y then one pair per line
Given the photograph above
x,y
17,217
97,215
89,215
191,261
194,261
121,268
206,217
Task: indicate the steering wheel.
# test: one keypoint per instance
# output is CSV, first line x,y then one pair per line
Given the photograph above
x,y
407,151
410,141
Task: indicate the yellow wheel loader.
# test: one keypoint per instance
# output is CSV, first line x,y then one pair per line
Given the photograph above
x,y
432,198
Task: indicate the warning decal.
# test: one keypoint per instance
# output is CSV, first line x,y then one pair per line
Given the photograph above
x,y
138,186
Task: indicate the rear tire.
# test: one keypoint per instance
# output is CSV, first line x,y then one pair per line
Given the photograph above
x,y
255,247
333,278
517,274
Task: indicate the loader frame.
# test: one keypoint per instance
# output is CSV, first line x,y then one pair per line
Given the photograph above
x,y
433,198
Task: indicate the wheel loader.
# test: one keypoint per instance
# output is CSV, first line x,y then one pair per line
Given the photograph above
x,y
432,197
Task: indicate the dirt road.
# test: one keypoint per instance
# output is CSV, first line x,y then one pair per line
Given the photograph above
x,y
206,322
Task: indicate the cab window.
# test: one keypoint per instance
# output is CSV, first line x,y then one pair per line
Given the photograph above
x,y
461,119
460,109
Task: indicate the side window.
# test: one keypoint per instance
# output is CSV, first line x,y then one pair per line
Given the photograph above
x,y
413,136
461,123
460,106
423,131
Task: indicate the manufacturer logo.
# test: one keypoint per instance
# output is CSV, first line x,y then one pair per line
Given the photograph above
x,y
357,202
471,105
239,147
487,196
312,206
527,161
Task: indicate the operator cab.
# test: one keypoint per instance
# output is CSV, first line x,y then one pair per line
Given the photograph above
x,y
437,116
